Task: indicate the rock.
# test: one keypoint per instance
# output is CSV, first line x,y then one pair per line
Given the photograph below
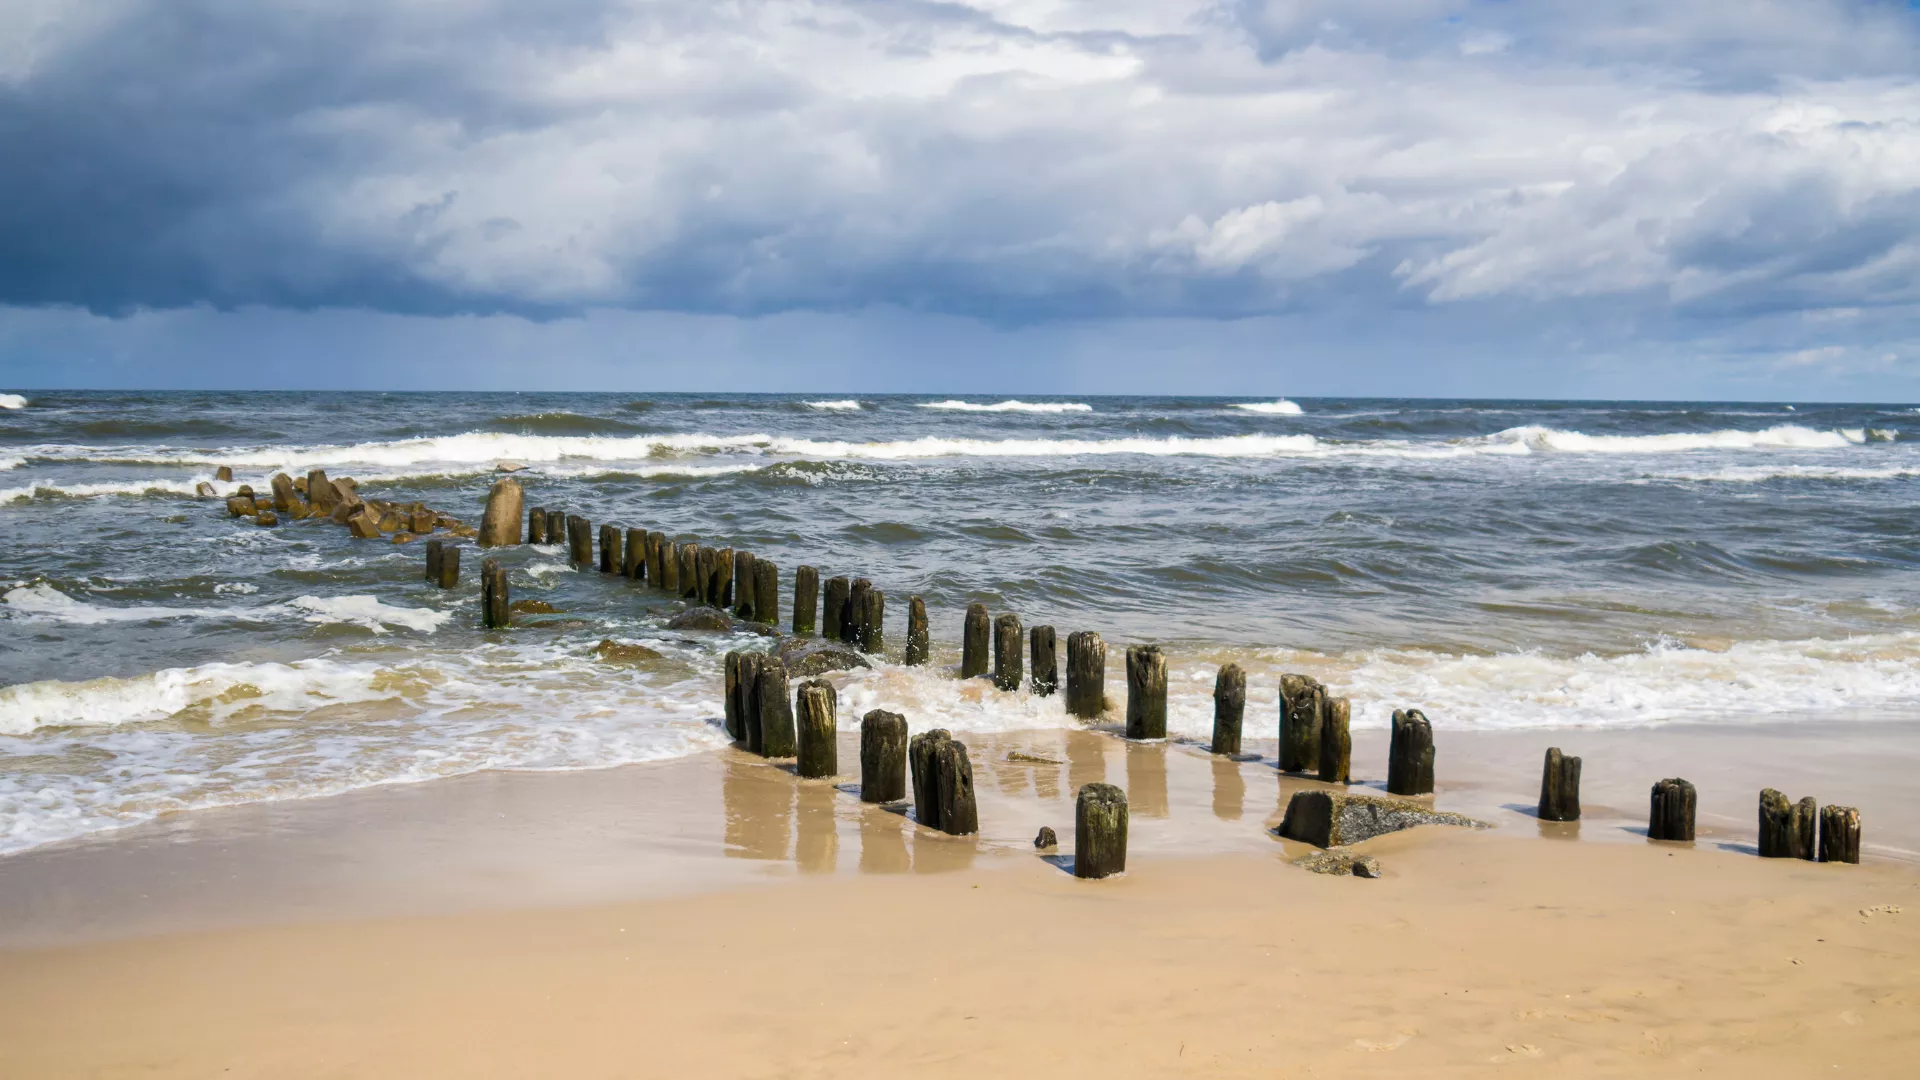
x,y
1046,839
390,522
203,489
420,521
362,524
1329,819
241,506
1366,866
1030,759
244,489
283,494
300,484
1339,862
620,652
508,466
300,510
267,518
467,532
808,657
224,473
503,519
702,618
404,538
534,607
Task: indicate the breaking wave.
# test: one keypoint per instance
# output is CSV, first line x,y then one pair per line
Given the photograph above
x,y
848,405
1283,407
368,612
1009,406
12,401
43,601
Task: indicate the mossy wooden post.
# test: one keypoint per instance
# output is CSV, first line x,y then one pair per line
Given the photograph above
x,y
959,809
730,699
747,699
689,558
873,622
853,609
1560,787
1788,830
743,584
833,608
1146,692
1410,754
537,525
634,566
776,710
579,541
806,599
1099,831
704,558
720,585
611,558
919,645
1009,665
1043,662
1229,708
923,756
1336,742
976,635
818,754
494,601
500,524
1086,675
443,564
656,559
766,591
883,757
1302,700
1671,818
1839,834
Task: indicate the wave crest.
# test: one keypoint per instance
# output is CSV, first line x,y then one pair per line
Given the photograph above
x,y
12,401
1009,405
1283,407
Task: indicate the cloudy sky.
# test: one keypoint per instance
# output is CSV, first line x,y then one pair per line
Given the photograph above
x,y
1548,198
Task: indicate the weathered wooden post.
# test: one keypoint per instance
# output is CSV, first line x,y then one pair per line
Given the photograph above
x,y
922,752
1302,700
494,601
657,558
537,525
743,584
500,525
1044,660
776,710
689,559
853,615
766,591
1229,708
1839,834
730,696
1146,692
833,610
703,573
1086,675
806,599
919,646
1336,742
444,570
883,757
975,635
1560,787
1788,830
1674,801
433,559
1009,666
959,812
1410,754
1099,831
579,541
873,621
819,753
720,581
610,556
747,699
634,567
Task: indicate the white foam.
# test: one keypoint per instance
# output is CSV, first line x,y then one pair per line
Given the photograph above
x,y
1756,474
848,405
368,612
12,401
1283,407
11,463
1009,406
56,489
1782,436
214,691
43,601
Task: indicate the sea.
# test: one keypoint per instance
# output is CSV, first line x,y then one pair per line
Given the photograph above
x,y
1498,564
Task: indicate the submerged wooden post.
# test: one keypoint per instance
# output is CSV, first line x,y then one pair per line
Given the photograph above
x,y
1839,834
634,566
1146,692
445,571
919,646
747,699
1674,801
854,612
1302,700
1410,754
873,621
433,559
766,591
1229,708
537,525
500,525
1560,787
704,571
1009,667
656,558
883,757
834,608
1099,831
743,584
579,541
806,599
974,636
814,705
494,601
1788,830
1336,742
1043,660
1086,675
720,584
776,710
611,560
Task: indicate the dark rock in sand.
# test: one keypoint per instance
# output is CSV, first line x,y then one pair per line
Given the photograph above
x,y
1046,839
1329,819
807,657
1339,862
620,652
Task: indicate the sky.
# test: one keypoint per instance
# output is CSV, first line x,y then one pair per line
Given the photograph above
x,y
1309,197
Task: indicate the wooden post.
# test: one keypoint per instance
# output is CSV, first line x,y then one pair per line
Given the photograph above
x,y
537,525
1099,831
1410,754
704,571
1229,708
1009,667
1788,830
883,757
747,699
433,559
1086,675
657,559
1044,660
1560,787
1302,700
730,696
500,525
449,566
766,591
494,600
919,647
853,616
806,599
669,576
634,567
689,559
1146,692
776,710
1674,801
1336,742
720,580
835,608
814,707
610,557
743,584
579,541
1839,834
873,622
923,755
975,634
959,812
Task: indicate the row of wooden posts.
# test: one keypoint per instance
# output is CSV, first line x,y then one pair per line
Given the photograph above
x,y
1314,725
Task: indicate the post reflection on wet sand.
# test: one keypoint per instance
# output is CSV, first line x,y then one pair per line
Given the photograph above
x,y
935,852
1147,779
1086,760
818,849
1229,789
883,841
759,809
